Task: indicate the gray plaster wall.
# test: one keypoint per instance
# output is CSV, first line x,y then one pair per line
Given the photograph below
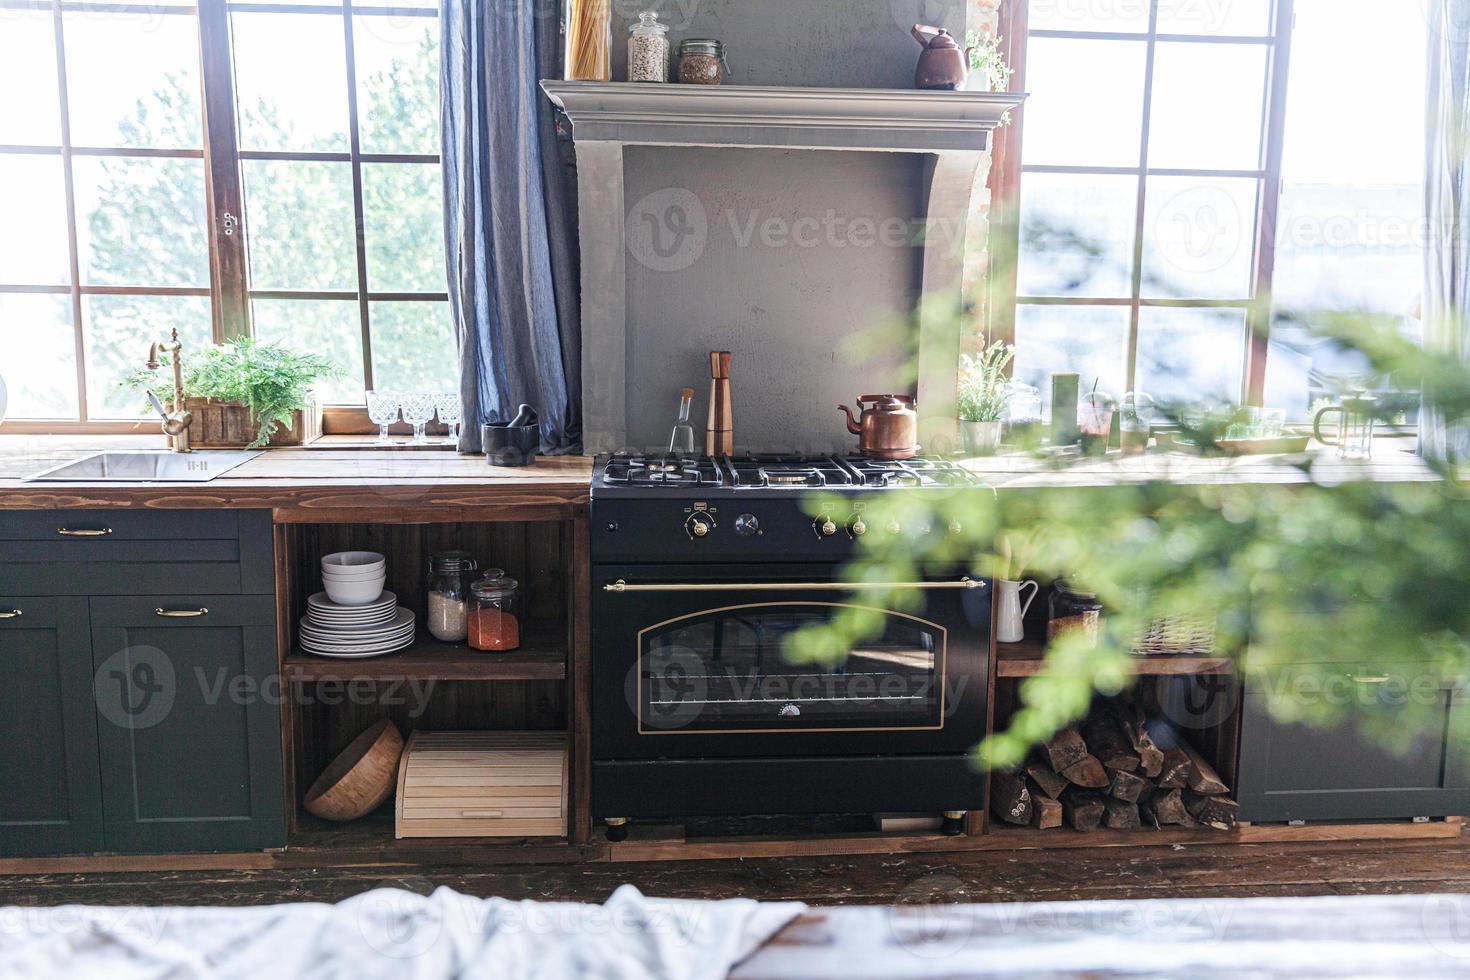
x,y
845,43
806,323
813,318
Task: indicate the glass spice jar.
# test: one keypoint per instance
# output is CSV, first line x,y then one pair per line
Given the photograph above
x,y
702,62
648,49
1072,610
449,594
494,618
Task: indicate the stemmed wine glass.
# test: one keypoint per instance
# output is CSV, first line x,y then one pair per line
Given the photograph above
x,y
418,411
451,413
382,407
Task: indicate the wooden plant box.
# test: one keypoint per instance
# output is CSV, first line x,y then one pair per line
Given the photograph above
x,y
483,784
228,425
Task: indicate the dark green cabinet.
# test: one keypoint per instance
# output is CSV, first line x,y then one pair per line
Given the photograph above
x,y
1293,771
188,722
141,705
50,802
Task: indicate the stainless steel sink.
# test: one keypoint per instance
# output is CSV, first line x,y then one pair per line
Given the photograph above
x,y
148,467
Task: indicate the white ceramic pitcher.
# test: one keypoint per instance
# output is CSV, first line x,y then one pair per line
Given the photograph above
x,y
1010,617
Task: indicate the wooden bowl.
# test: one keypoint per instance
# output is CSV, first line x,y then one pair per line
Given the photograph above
x,y
361,778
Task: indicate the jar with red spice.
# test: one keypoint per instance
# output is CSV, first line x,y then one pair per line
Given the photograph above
x,y
495,614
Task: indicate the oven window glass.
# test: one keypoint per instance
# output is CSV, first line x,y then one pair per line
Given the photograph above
x,y
725,670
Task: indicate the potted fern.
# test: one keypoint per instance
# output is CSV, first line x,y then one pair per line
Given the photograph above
x,y
982,397
246,393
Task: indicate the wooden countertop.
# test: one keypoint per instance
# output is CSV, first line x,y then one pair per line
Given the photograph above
x,y
343,480
320,483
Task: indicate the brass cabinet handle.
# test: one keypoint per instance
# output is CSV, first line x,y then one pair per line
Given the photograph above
x,y
1369,678
181,613
9,613
84,532
622,586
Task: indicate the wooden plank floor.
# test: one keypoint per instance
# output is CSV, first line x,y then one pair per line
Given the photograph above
x,y
1345,868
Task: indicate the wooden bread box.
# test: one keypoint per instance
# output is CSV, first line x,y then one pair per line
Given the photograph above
x,y
483,784
228,425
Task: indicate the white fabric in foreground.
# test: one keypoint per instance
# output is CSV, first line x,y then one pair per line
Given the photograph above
x,y
396,934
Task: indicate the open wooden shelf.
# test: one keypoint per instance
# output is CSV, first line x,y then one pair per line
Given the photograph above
x,y
542,657
1024,660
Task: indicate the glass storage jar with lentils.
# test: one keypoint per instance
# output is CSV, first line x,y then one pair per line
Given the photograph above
x,y
702,62
648,49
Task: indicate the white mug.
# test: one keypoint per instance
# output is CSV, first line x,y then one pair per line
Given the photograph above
x,y
1010,617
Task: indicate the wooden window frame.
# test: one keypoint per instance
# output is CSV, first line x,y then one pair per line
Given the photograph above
x,y
1007,175
229,289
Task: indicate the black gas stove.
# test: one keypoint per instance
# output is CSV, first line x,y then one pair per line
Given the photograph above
x,y
703,571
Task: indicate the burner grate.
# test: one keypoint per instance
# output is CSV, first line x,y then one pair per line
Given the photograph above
x,y
776,472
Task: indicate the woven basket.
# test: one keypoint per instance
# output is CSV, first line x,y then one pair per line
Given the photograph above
x,y
1175,635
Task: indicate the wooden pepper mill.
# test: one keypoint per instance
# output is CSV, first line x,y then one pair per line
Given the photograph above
x,y
719,434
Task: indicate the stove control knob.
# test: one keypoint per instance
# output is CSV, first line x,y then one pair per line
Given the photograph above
x,y
825,526
858,527
699,525
955,527
747,526
894,527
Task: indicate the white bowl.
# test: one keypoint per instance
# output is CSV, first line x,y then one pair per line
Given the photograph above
x,y
357,561
353,575
354,593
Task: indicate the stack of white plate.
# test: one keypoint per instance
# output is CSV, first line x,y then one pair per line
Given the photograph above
x,y
331,629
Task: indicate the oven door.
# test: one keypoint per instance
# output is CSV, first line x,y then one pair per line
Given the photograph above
x,y
693,661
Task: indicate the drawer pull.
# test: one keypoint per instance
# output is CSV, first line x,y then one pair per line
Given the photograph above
x,y
84,532
1369,678
482,813
181,613
9,613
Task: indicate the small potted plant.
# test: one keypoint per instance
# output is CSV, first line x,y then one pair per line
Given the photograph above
x,y
245,393
982,397
988,69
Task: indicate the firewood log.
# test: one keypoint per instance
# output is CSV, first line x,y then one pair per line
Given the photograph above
x,y
1087,773
1010,801
1105,740
1120,815
1126,786
1051,783
1083,809
1064,749
1167,809
1150,756
1202,776
1213,811
1046,811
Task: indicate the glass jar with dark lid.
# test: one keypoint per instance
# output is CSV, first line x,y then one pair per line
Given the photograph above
x,y
702,61
450,573
495,617
1070,609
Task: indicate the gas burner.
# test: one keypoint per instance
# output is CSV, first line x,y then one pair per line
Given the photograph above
x,y
776,473
662,471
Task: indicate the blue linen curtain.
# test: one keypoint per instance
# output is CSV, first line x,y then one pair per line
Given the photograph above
x,y
1446,306
509,220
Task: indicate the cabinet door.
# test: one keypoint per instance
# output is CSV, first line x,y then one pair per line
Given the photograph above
x,y
189,722
1301,772
49,797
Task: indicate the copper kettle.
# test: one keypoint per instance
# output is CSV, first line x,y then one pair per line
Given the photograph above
x,y
889,427
944,64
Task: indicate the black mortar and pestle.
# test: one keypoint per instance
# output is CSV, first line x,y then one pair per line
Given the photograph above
x,y
513,443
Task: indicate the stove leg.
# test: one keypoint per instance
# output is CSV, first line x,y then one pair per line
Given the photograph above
x,y
617,829
954,823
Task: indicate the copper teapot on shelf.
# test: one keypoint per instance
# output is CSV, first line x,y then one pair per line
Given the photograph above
x,y
943,64
888,427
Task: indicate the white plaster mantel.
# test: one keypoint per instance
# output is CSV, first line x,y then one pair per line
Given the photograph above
x,y
952,129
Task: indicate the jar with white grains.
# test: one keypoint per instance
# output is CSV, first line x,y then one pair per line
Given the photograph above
x,y
648,49
448,600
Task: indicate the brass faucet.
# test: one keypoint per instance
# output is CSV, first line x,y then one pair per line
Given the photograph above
x,y
175,420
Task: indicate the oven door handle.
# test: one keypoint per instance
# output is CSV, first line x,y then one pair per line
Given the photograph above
x,y
622,586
